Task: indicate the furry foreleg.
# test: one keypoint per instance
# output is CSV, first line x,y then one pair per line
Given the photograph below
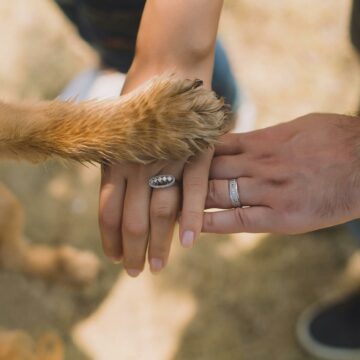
x,y
165,119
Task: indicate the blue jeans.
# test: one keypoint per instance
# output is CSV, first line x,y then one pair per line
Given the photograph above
x,y
354,229
354,226
223,81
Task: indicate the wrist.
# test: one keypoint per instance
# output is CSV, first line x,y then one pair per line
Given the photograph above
x,y
143,69
350,126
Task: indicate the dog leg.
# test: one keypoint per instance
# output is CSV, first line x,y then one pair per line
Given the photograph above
x,y
63,264
19,345
165,119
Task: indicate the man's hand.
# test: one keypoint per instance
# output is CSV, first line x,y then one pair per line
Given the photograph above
x,y
292,178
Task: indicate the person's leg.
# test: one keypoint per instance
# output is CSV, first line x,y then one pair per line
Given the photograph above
x,y
355,25
225,85
354,229
93,84
223,81
331,329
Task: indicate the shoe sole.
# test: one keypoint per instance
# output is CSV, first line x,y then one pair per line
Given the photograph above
x,y
315,348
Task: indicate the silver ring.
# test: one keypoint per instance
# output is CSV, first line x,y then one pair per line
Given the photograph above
x,y
234,193
162,181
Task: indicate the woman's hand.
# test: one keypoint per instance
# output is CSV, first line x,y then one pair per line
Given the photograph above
x,y
170,39
195,188
292,178
136,219
131,213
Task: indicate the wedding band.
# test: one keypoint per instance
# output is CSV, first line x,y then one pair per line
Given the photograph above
x,y
234,193
162,181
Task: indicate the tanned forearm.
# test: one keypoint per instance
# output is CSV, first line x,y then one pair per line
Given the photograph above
x,y
175,36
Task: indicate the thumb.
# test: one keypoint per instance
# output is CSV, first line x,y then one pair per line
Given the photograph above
x,y
255,219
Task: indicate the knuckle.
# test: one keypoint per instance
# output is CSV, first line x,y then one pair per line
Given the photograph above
x,y
109,221
212,192
290,206
194,215
241,218
239,141
279,182
196,182
135,229
163,211
209,221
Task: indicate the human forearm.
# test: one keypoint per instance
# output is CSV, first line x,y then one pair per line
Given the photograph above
x,y
141,71
177,36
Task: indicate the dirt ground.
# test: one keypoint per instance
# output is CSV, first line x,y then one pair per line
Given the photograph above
x,y
231,297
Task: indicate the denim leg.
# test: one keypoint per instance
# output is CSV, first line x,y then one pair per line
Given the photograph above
x,y
223,81
355,25
354,229
354,226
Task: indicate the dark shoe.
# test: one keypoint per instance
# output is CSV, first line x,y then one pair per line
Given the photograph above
x,y
354,226
331,331
355,25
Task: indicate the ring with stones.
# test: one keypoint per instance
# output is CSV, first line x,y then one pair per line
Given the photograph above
x,y
162,181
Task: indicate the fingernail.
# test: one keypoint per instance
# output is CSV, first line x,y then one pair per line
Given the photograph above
x,y
188,239
133,272
156,264
115,259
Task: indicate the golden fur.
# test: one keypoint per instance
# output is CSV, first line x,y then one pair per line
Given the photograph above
x,y
64,264
19,345
166,119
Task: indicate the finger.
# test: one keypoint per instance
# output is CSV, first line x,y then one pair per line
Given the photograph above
x,y
229,144
112,190
235,143
231,167
164,208
135,224
251,192
195,182
254,219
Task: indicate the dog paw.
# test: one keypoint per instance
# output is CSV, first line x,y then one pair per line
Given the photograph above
x,y
165,119
78,267
173,119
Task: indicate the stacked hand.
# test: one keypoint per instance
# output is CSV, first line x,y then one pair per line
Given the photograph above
x,y
292,178
170,39
295,177
135,218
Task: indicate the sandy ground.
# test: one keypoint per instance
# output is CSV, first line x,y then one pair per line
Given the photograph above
x,y
231,297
